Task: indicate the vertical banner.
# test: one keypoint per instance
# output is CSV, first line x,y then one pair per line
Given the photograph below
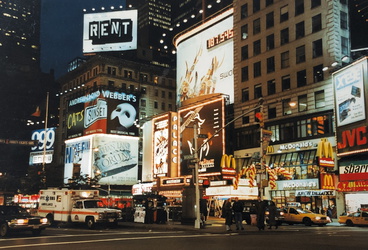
x,y
161,146
209,118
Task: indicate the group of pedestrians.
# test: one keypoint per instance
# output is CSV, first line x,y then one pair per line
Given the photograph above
x,y
234,211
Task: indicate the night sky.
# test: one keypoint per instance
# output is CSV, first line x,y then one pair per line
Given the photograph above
x,y
62,30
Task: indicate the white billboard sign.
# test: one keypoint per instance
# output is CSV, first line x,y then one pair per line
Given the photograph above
x,y
205,60
110,31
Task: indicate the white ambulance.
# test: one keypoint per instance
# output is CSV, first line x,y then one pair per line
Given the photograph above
x,y
78,206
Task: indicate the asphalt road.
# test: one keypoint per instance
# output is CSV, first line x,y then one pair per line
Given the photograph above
x,y
176,237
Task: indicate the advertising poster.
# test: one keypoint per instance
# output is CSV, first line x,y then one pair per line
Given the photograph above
x,y
102,111
77,158
115,158
161,146
209,118
44,150
349,95
205,60
110,31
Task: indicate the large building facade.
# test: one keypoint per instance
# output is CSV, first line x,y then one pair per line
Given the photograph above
x,y
282,50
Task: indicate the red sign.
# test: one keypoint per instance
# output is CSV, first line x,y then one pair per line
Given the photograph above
x,y
326,162
352,186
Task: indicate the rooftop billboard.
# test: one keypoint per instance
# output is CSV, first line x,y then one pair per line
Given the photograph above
x,y
205,59
110,31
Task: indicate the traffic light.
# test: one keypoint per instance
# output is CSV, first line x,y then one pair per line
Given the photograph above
x,y
259,118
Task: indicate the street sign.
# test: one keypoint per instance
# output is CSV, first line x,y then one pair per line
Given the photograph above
x,y
188,157
202,136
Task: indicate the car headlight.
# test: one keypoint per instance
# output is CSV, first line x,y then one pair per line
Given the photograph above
x,y
318,217
20,221
120,214
43,221
281,213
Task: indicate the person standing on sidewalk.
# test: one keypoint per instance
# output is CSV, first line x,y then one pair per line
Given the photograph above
x,y
261,209
227,213
238,213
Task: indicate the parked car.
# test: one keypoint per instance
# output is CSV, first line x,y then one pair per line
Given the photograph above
x,y
297,215
15,218
279,216
359,218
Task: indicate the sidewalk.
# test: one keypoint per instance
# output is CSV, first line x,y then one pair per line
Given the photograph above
x,y
213,225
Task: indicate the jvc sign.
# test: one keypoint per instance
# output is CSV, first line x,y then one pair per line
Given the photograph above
x,y
110,31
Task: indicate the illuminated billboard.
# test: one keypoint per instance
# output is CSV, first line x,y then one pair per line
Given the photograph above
x,y
205,59
114,158
209,117
351,106
44,150
110,31
102,111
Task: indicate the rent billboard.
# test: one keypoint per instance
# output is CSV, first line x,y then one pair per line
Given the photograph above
x,y
102,111
209,118
110,31
205,57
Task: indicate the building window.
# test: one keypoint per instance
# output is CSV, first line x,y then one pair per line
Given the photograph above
x,y
271,87
110,84
286,108
269,20
131,88
244,11
315,3
155,105
244,74
344,45
284,13
256,47
271,111
270,42
163,106
299,7
124,86
143,102
244,52
256,26
143,77
301,77
343,20
257,69
143,90
111,71
285,59
128,74
316,23
170,107
302,103
299,30
257,91
170,95
256,5
269,2
244,31
163,94
270,64
245,94
284,36
318,73
317,48
156,92
300,54
245,119
319,98
285,82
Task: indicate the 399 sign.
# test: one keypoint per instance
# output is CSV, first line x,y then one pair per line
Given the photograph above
x,y
42,143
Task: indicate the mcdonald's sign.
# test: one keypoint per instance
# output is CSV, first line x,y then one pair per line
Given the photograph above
x,y
228,166
327,181
325,154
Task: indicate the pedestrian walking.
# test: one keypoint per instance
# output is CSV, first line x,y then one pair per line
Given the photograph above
x,y
272,210
238,213
329,212
260,209
227,213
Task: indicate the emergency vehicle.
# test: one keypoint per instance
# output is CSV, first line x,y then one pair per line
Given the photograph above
x,y
77,206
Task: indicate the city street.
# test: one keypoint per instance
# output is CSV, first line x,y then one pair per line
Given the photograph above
x,y
214,236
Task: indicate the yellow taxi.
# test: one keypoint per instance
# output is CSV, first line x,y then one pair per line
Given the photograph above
x,y
297,215
359,218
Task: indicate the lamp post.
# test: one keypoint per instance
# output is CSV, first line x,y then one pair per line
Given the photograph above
x,y
197,223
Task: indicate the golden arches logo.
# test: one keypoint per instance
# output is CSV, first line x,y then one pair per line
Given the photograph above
x,y
324,149
228,161
270,150
328,182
